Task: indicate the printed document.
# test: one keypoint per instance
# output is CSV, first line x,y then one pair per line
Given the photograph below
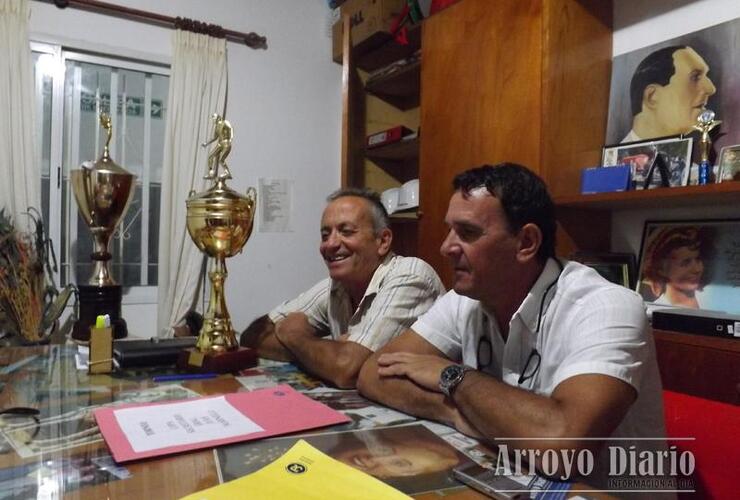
x,y
153,427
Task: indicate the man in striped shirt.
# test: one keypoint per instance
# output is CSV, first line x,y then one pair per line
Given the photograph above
x,y
371,295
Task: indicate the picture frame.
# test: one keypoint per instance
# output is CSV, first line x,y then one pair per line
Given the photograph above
x,y
729,164
691,263
618,268
641,157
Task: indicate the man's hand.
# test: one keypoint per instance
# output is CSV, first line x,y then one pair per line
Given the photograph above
x,y
292,328
423,369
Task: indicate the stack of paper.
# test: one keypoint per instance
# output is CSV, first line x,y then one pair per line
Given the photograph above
x,y
303,472
148,430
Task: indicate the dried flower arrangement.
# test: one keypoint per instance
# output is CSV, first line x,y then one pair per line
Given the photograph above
x,y
22,283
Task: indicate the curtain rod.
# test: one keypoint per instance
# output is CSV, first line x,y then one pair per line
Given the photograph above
x,y
252,39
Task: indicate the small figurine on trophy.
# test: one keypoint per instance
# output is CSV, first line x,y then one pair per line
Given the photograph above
x,y
706,123
219,221
223,133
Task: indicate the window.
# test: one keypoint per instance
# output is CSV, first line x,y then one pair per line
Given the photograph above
x,y
72,89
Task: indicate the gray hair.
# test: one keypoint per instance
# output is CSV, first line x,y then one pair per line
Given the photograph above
x,y
377,210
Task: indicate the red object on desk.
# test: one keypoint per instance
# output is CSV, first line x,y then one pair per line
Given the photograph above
x,y
278,410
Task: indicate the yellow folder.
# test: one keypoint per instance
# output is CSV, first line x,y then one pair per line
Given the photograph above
x,y
302,472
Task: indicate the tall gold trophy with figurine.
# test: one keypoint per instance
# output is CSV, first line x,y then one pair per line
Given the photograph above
x,y
219,221
103,192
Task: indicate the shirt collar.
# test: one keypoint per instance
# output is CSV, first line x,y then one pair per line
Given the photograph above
x,y
375,281
529,310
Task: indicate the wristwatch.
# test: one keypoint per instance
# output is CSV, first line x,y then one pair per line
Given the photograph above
x,y
451,377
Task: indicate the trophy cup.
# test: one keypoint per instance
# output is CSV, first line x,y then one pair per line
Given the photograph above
x,y
219,221
103,193
706,122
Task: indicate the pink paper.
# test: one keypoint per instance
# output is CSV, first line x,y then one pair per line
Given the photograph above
x,y
278,410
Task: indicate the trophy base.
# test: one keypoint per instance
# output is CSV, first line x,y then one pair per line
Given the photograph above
x,y
195,361
95,301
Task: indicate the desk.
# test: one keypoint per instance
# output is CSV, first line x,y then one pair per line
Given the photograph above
x,y
65,457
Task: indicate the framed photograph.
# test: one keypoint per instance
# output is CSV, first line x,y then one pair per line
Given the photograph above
x,y
618,268
641,157
693,264
635,115
729,164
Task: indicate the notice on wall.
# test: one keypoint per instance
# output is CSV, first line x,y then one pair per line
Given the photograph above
x,y
276,205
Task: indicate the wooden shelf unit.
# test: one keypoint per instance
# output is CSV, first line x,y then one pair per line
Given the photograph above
x,y
400,88
687,196
396,151
392,164
400,159
384,50
405,217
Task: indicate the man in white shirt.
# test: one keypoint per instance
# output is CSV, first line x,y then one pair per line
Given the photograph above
x,y
371,295
668,92
526,351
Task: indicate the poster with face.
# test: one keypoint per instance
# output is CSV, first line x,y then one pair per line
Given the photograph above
x,y
660,90
691,264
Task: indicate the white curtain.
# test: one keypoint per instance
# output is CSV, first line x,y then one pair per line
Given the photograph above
x,y
198,83
20,181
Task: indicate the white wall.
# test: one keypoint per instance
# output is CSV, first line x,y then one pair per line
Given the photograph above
x,y
637,24
285,106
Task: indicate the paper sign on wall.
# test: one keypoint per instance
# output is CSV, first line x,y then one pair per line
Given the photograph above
x,y
276,205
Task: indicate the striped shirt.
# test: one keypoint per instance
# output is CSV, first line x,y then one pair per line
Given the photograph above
x,y
401,289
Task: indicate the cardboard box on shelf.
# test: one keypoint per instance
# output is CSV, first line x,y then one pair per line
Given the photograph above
x,y
370,20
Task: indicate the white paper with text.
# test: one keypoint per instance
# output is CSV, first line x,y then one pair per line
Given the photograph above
x,y
153,427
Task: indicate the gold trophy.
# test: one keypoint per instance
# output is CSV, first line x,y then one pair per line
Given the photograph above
x,y
103,193
705,124
219,221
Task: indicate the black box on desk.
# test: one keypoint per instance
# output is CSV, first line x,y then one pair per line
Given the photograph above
x,y
152,352
713,323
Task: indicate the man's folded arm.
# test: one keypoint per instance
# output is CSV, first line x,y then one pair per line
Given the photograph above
x,y
260,335
336,361
400,392
583,406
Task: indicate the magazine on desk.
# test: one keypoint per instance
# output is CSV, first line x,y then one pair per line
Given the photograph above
x,y
410,458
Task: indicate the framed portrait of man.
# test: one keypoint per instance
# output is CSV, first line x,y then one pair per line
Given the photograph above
x,y
661,89
693,264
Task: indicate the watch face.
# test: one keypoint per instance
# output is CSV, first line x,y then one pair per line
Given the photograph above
x,y
450,377
450,373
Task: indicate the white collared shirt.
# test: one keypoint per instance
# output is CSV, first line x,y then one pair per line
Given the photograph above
x,y
400,290
589,326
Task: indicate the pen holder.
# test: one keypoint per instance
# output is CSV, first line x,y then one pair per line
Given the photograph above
x,y
101,350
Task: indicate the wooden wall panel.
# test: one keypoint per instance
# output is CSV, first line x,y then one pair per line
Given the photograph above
x,y
480,101
577,48
353,116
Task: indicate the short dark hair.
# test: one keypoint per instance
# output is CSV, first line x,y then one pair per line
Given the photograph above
x,y
522,194
658,67
377,210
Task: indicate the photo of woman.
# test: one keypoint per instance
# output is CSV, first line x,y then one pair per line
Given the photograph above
x,y
674,271
693,264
